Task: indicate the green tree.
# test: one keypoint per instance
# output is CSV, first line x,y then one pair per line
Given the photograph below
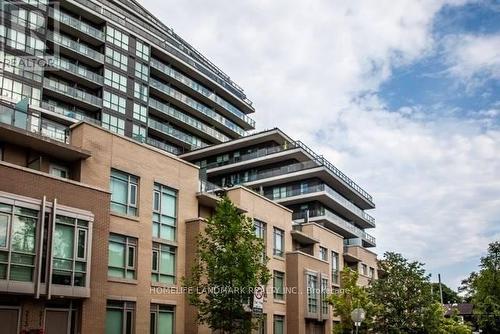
x,y
229,265
483,290
437,323
403,292
345,300
449,296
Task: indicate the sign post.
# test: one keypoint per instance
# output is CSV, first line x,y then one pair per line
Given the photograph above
x,y
258,300
358,315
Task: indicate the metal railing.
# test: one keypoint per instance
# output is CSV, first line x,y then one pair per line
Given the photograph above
x,y
32,122
75,46
201,89
75,114
333,218
318,188
171,131
64,64
208,187
76,93
173,112
76,23
195,105
163,146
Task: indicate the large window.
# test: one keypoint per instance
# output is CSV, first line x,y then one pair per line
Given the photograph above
x,y
17,229
122,257
141,91
279,324
116,58
279,241
120,317
140,112
17,90
70,251
335,268
142,50
364,269
323,253
141,71
324,295
162,319
164,212
312,293
124,189
113,123
116,37
278,285
115,80
163,264
114,102
139,133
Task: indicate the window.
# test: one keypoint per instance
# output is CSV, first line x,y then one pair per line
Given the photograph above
x,y
364,269
140,112
279,192
113,123
261,325
312,293
70,251
120,317
162,319
122,256
278,285
163,264
279,242
372,272
139,133
115,80
124,192
278,324
323,253
164,212
141,91
335,268
10,64
114,102
324,295
260,229
17,237
116,37
142,50
17,90
116,58
141,71
59,171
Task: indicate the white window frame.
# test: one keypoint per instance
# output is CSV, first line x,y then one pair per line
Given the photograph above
x,y
53,167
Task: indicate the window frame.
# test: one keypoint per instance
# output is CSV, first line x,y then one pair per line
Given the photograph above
x,y
160,190
128,243
276,294
277,232
158,248
132,182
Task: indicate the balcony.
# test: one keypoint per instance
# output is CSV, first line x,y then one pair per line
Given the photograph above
x,y
342,182
71,113
188,120
207,93
335,223
79,71
334,199
163,146
90,54
210,114
71,92
181,137
76,24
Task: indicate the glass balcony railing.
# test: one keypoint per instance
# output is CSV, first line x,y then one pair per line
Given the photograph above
x,y
319,188
64,64
201,89
317,161
195,105
76,23
76,93
163,146
333,218
172,112
75,46
77,115
33,123
171,131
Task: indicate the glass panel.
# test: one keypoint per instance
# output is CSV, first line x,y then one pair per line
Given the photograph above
x,y
167,232
129,322
63,241
114,322
167,263
131,257
116,255
152,323
168,205
82,236
4,225
23,234
165,323
154,264
119,191
3,271
18,273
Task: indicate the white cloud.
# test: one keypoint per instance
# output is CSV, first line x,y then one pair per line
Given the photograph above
x,y
313,68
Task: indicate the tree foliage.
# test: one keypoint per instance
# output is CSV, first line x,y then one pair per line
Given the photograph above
x,y
483,290
350,297
228,266
449,296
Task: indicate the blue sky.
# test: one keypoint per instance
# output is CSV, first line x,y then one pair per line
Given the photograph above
x,y
401,95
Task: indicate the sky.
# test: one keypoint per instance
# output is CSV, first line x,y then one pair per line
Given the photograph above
x,y
403,96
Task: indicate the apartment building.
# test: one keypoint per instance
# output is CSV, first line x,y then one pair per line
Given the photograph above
x,y
113,63
291,174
